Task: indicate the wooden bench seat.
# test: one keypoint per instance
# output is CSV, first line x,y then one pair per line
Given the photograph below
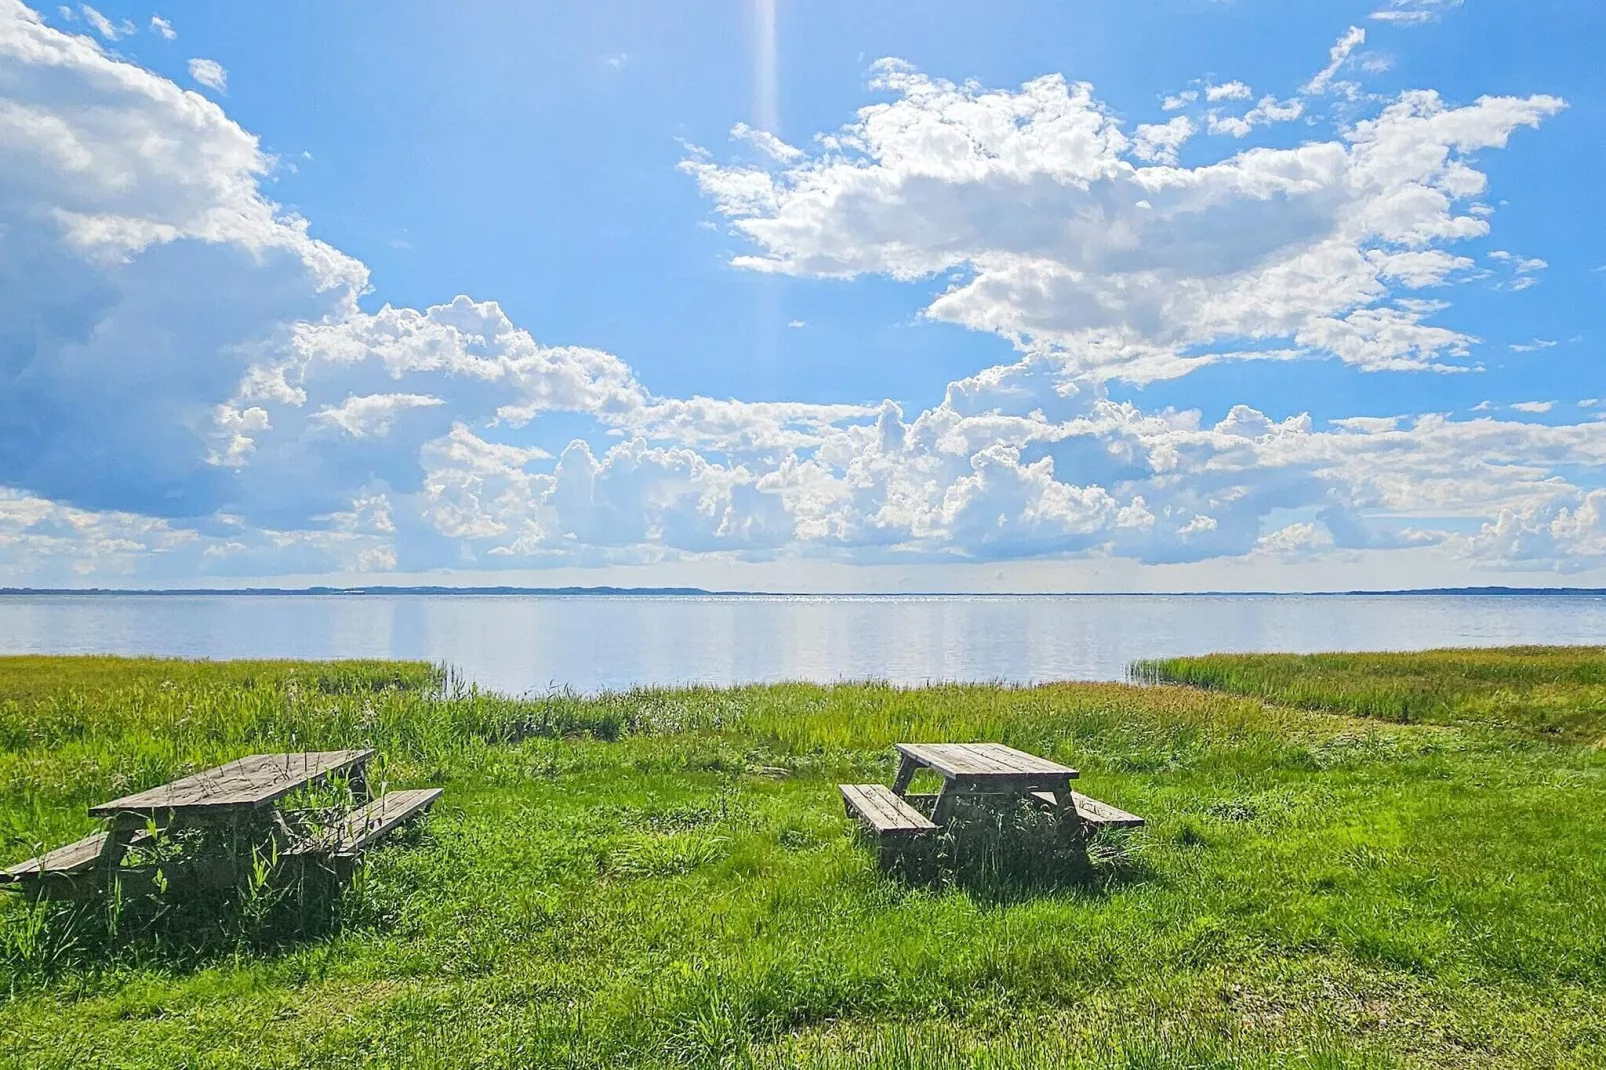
x,y
1102,815
69,861
74,858
878,807
369,824
1097,815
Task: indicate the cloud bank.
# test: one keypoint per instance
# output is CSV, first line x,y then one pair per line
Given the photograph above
x,y
188,388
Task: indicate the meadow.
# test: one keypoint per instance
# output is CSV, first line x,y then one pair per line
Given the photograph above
x,y
666,877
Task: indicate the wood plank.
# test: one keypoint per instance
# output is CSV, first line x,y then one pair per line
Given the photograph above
x,y
77,857
368,824
73,858
1096,813
372,823
1103,815
253,781
888,815
982,761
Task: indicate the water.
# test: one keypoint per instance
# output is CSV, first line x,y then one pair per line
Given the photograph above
x,y
519,643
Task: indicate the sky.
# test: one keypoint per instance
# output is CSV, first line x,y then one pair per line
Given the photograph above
x,y
844,295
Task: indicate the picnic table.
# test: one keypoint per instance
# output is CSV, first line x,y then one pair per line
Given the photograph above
x,y
240,798
988,774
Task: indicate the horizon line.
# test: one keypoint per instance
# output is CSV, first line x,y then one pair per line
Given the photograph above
x,y
699,592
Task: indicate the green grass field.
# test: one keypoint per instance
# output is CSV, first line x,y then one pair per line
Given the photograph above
x,y
666,877
1548,691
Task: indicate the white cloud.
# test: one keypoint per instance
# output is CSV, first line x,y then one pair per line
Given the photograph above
x,y
1066,248
262,423
1534,406
765,142
210,73
1414,12
1296,542
150,271
618,60
372,414
1233,90
1269,110
1337,56
1564,534
1532,347
1180,100
1524,269
104,26
1159,143
797,323
162,28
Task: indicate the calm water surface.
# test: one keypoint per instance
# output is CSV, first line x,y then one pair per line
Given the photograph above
x,y
520,643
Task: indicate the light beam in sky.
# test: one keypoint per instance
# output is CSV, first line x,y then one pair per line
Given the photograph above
x,y
766,104
765,71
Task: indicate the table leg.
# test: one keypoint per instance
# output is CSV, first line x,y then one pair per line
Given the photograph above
x,y
1070,822
906,773
124,827
945,803
358,781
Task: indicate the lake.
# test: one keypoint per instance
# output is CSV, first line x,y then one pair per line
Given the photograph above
x,y
525,643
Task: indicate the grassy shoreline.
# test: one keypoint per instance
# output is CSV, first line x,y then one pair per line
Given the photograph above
x,y
1552,692
666,878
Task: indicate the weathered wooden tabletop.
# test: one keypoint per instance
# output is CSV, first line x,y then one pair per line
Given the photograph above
x,y
243,784
983,762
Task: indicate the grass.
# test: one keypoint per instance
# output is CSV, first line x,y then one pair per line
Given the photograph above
x,y
666,878
1558,692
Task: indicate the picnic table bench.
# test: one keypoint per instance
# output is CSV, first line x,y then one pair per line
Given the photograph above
x,y
985,773
240,797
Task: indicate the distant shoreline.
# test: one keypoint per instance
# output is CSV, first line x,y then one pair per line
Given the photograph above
x,y
698,592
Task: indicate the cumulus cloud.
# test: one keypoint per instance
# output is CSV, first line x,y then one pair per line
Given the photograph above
x,y
372,414
143,271
210,73
162,28
1564,534
1159,142
188,386
1065,247
1233,90
1269,110
1180,100
1296,542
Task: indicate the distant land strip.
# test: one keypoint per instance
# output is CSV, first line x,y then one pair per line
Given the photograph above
x,y
701,593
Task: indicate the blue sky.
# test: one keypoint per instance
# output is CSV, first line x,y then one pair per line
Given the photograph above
x,y
831,296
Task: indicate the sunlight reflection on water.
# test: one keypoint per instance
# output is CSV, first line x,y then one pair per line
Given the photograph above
x,y
519,643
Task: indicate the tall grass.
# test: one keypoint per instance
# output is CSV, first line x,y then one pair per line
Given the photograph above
x,y
1555,692
666,877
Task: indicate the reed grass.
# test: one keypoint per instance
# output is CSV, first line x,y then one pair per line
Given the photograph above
x,y
665,877
1556,692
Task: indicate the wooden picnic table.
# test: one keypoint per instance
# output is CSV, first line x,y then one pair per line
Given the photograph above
x,y
226,796
986,772
239,796
981,769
